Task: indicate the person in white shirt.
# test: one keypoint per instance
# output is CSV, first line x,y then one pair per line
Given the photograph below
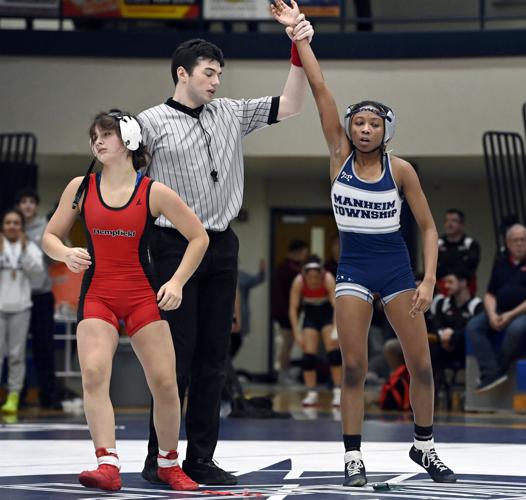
x,y
21,264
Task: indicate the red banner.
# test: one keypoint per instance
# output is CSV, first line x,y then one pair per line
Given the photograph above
x,y
140,9
320,8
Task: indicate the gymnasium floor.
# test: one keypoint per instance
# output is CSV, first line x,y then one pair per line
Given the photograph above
x,y
275,459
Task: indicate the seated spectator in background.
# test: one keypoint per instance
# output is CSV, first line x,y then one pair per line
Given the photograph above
x,y
21,262
505,310
331,264
233,392
245,283
42,325
456,250
314,291
451,315
283,277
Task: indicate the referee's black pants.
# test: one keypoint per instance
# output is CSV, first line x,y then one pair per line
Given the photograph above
x,y
201,333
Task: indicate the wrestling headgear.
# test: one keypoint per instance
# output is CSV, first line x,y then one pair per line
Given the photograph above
x,y
130,129
383,111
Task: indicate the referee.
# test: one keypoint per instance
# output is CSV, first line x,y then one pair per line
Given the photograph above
x,y
196,141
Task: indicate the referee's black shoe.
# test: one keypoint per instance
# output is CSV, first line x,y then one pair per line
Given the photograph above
x,y
149,471
428,459
207,472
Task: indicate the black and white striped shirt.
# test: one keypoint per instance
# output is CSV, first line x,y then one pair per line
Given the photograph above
x,y
188,144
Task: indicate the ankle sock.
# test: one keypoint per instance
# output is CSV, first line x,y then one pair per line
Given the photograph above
x,y
352,442
107,456
167,458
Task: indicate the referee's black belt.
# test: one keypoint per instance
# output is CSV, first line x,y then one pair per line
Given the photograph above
x,y
215,231
211,232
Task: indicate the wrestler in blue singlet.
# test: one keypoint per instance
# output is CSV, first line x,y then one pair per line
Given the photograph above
x,y
374,257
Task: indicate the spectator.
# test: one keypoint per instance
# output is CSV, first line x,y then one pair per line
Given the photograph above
x,y
505,311
233,392
283,278
451,314
42,325
314,291
245,283
457,250
20,262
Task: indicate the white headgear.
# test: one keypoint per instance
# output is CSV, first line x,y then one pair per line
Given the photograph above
x,y
130,130
383,111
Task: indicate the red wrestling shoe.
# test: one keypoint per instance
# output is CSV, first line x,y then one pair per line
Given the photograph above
x,y
106,476
176,478
174,475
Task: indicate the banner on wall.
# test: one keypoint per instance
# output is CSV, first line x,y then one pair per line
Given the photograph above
x,y
321,8
140,9
259,9
236,9
29,8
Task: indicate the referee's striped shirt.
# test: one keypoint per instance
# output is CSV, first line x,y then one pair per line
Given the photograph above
x,y
188,144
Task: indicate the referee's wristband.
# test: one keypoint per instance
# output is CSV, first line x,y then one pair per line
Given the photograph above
x,y
294,56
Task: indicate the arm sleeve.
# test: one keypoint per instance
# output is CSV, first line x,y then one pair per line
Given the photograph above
x,y
147,131
254,114
32,262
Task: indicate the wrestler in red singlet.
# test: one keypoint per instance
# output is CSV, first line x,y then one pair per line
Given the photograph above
x,y
120,283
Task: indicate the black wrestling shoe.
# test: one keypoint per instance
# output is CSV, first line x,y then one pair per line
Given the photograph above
x,y
149,471
428,459
354,469
205,471
488,383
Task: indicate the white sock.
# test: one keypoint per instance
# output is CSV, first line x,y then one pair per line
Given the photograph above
x,y
352,455
110,459
424,445
165,462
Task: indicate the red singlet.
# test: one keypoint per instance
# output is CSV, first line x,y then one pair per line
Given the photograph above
x,y
120,284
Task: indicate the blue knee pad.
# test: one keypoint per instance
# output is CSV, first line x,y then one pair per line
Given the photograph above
x,y
309,362
335,357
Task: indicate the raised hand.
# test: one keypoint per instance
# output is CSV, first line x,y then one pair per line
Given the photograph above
x,y
284,14
302,30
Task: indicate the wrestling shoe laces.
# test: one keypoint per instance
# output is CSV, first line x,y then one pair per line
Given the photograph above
x,y
429,460
354,469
